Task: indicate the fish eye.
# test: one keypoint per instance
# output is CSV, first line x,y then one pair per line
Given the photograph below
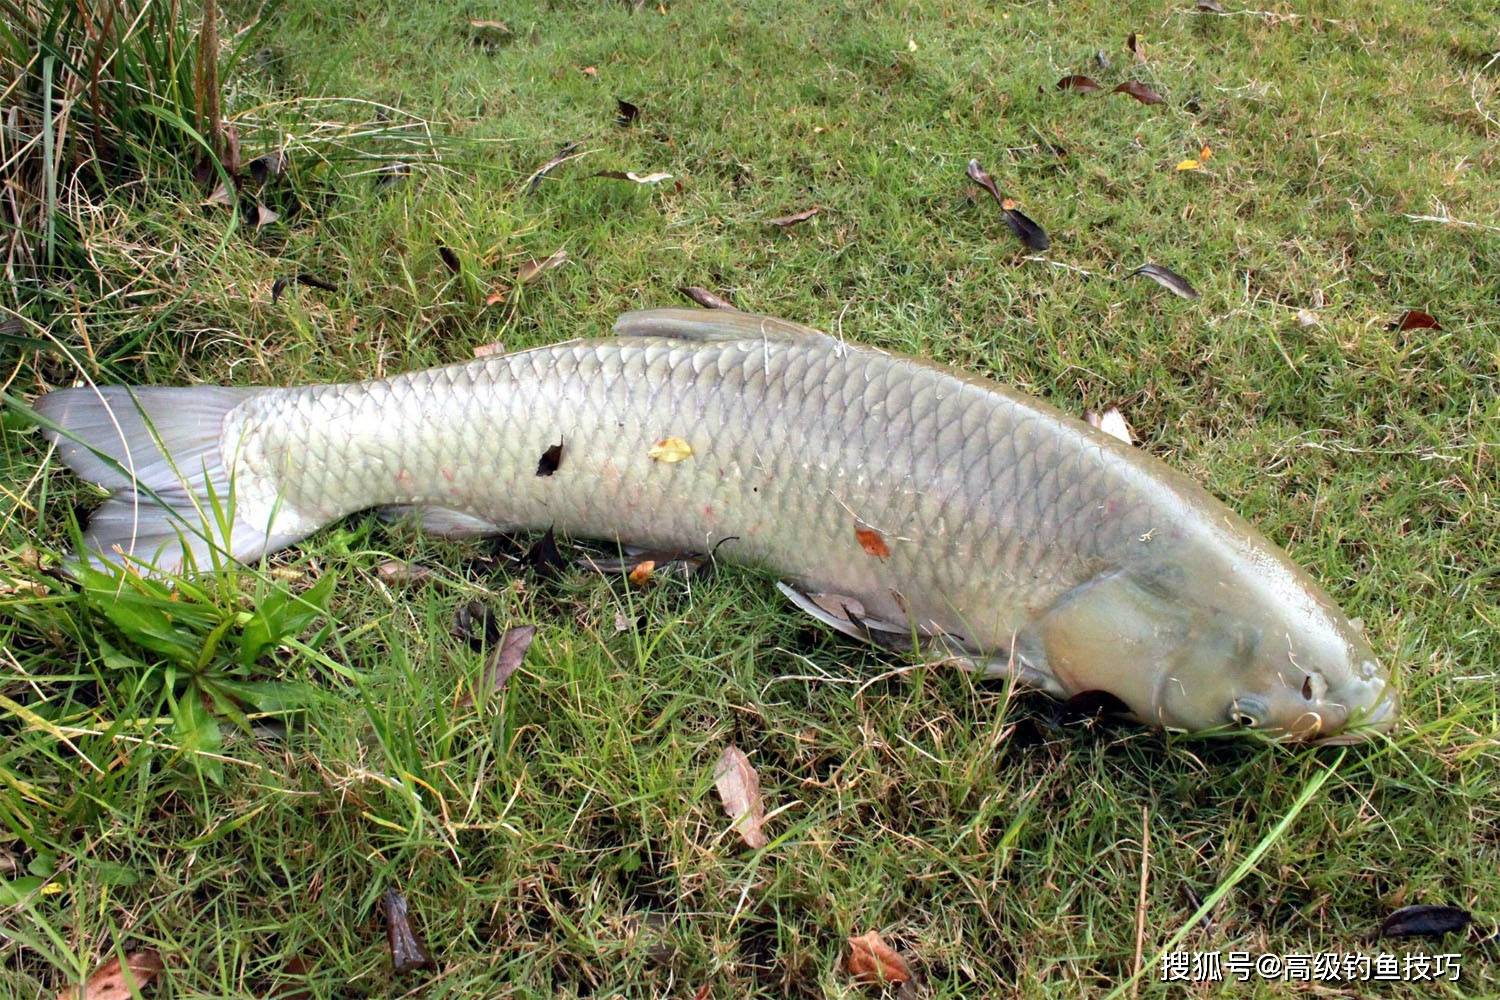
x,y
1246,713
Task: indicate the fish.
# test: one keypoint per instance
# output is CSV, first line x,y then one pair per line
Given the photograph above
x,y
897,500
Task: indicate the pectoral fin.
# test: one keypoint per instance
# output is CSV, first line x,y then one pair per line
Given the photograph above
x,y
442,521
847,615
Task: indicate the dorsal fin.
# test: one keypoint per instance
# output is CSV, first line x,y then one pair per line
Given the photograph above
x,y
711,325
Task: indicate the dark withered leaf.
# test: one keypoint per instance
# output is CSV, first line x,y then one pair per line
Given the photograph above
x,y
1026,230
407,952
450,259
313,281
267,166
550,460
1166,278
565,154
1415,319
391,173
507,656
1102,58
978,175
544,557
277,287
1136,48
1425,921
1210,6
231,158
783,221
1087,705
626,113
1139,91
1078,82
662,561
475,623
705,298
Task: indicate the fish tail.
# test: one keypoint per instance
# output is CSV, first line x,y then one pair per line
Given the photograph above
x,y
173,507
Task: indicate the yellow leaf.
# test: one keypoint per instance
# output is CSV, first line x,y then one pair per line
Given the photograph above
x,y
672,449
1189,165
1205,152
641,574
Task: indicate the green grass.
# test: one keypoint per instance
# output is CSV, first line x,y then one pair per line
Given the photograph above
x,y
563,838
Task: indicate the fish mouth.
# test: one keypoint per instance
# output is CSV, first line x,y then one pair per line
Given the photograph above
x,y
1378,720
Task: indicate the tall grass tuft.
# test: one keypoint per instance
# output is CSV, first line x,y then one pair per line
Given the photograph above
x,y
96,96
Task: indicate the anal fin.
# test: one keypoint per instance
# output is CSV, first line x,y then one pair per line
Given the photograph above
x,y
443,521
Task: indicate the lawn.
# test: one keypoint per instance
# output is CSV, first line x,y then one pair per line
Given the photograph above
x,y
563,837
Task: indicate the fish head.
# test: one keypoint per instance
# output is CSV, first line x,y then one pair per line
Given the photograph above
x,y
1221,647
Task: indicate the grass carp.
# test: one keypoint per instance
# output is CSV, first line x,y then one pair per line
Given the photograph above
x,y
900,501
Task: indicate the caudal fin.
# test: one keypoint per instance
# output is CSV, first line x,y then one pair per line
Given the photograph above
x,y
173,507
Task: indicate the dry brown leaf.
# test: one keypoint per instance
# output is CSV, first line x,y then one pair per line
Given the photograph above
x,y
407,951
872,542
670,450
396,571
640,574
1415,319
1139,91
739,790
507,657
705,298
1082,84
222,197
781,222
873,961
111,981
529,271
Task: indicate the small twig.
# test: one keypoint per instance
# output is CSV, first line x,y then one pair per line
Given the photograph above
x,y
1140,906
1058,263
1448,220
1474,90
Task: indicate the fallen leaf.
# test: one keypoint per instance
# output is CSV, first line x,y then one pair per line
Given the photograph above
x,y
112,981
782,222
626,114
396,571
1425,921
589,70
1137,47
529,271
1189,165
1111,422
640,575
475,623
390,173
872,542
480,25
979,176
630,175
264,216
1306,318
488,350
566,153
1205,153
661,560
550,460
1102,58
506,657
450,259
488,34
739,790
1026,230
705,298
544,557
1166,278
495,297
1210,7
313,281
1415,319
670,450
1082,84
1139,91
277,287
222,196
266,166
231,158
406,947
873,961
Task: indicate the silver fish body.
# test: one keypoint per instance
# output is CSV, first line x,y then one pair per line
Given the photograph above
x,y
935,504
